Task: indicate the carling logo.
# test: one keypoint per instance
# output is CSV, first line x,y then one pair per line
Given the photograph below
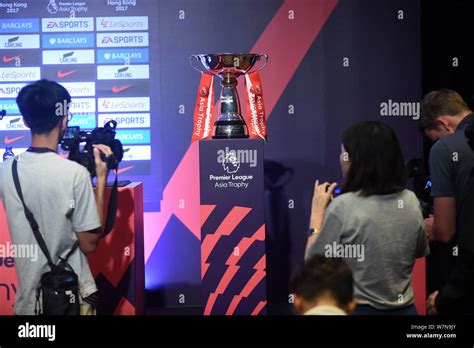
x,y
231,160
123,72
67,24
400,109
68,40
122,40
68,57
126,120
12,123
124,104
10,90
23,25
19,41
20,74
121,23
137,153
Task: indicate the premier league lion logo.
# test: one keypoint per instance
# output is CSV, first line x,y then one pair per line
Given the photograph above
x,y
231,164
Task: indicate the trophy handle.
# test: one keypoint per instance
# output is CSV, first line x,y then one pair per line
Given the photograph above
x,y
265,64
192,59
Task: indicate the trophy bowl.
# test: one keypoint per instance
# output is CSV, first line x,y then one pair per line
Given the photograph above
x,y
229,66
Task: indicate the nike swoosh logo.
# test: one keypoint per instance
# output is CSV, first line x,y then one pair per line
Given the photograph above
x,y
120,171
65,74
8,140
9,59
120,89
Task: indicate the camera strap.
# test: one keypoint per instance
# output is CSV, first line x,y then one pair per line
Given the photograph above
x,y
112,207
32,221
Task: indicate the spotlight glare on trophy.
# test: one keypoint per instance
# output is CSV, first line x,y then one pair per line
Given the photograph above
x,y
228,67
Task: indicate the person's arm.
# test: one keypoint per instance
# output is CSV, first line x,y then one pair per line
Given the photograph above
x,y
88,240
444,220
443,192
321,198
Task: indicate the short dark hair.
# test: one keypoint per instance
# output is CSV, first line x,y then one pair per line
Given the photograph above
x,y
38,103
376,161
320,276
438,103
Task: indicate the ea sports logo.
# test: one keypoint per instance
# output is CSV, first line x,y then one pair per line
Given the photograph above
x,y
231,164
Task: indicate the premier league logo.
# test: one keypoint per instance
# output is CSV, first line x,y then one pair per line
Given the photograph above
x,y
231,164
52,7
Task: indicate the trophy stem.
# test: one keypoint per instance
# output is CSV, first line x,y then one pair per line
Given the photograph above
x,y
230,123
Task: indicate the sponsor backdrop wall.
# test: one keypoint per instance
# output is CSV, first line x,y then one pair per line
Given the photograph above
x,y
332,63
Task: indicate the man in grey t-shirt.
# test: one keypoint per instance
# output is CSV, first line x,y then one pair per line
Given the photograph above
x,y
57,191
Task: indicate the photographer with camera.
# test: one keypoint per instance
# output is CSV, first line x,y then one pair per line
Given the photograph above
x,y
444,117
50,203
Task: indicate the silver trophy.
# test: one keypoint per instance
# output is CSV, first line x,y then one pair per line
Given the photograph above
x,y
229,66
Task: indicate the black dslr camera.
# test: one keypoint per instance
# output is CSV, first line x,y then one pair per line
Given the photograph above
x,y
74,137
421,185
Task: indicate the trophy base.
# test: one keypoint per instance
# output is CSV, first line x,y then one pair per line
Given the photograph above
x,y
230,130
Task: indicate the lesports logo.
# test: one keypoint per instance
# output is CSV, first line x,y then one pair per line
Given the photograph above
x,y
62,74
19,41
124,104
120,72
8,141
10,59
122,40
68,41
67,24
122,56
12,123
116,89
23,25
141,120
80,89
121,23
20,74
10,90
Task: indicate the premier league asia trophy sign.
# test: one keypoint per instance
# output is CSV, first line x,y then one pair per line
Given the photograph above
x,y
229,123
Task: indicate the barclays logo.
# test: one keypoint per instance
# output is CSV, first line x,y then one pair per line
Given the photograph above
x,y
24,25
68,41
